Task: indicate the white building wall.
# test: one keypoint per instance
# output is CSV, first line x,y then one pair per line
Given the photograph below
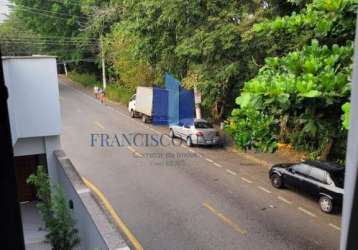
x,y
33,102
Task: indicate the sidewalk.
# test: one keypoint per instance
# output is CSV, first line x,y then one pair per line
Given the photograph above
x,y
34,234
265,159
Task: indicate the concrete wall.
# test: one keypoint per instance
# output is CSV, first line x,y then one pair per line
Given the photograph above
x,y
33,102
93,224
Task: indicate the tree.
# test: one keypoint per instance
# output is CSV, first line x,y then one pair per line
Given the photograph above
x,y
303,90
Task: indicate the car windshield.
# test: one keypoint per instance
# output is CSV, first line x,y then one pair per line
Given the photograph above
x,y
338,178
203,125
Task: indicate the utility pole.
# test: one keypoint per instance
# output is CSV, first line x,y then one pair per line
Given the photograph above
x,y
104,80
65,67
197,98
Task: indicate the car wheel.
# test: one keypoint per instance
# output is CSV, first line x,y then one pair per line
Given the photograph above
x,y
189,142
171,134
276,181
326,204
132,113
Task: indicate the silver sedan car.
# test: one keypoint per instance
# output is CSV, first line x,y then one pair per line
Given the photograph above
x,y
197,132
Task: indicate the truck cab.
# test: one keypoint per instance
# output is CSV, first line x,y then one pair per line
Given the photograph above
x,y
131,106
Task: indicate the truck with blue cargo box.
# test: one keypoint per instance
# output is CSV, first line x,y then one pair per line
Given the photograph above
x,y
150,104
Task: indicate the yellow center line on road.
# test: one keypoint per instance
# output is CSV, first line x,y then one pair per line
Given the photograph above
x,y
222,217
119,222
98,124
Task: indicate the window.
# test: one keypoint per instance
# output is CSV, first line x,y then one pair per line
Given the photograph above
x,y
319,175
203,125
338,178
301,169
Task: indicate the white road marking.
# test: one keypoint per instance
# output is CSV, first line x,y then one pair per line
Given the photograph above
x,y
264,189
306,212
335,226
218,165
209,160
83,190
192,151
246,180
284,200
231,172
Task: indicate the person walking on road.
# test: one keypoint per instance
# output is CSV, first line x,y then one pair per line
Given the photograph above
x,y
102,95
95,91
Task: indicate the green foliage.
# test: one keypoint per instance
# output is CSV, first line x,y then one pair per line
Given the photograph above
x,y
346,115
58,23
307,89
41,182
329,21
252,130
62,233
126,67
52,205
85,79
304,89
119,93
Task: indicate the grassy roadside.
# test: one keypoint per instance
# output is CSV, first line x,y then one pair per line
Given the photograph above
x,y
114,92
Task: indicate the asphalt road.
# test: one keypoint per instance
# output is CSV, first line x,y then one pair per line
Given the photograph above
x,y
173,197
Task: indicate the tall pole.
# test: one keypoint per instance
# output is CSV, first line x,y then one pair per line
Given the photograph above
x,y
65,67
104,80
349,239
197,97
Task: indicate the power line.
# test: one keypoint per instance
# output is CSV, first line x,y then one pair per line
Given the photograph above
x,y
9,41
78,60
57,37
53,38
43,10
69,2
37,12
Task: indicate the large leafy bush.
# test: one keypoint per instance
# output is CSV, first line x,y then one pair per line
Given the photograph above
x,y
304,87
297,97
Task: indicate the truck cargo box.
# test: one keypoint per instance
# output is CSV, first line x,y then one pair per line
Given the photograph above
x,y
144,100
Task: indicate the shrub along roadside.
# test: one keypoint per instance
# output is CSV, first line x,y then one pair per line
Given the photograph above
x,y
297,97
114,91
85,79
119,93
62,233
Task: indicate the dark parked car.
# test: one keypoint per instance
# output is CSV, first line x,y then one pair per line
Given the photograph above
x,y
323,180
